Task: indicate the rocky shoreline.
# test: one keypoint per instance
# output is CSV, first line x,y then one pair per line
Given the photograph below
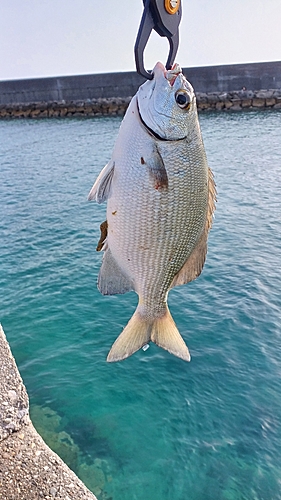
x,y
213,101
29,469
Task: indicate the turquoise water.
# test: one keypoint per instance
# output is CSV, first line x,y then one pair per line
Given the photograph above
x,y
152,427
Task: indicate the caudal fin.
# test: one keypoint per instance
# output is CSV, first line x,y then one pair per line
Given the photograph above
x,y
140,330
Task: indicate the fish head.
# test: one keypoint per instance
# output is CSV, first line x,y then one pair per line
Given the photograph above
x,y
167,103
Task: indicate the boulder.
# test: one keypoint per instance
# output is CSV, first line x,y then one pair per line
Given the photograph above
x,y
258,102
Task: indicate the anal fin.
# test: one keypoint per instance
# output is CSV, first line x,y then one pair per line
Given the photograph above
x,y
112,279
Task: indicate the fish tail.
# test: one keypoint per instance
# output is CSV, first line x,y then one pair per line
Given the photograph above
x,y
141,330
134,336
165,334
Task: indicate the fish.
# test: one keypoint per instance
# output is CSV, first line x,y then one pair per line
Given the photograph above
x,y
160,196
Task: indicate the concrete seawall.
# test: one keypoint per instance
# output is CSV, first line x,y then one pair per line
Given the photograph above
x,y
29,469
216,87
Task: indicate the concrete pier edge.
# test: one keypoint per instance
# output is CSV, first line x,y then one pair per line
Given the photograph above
x,y
29,469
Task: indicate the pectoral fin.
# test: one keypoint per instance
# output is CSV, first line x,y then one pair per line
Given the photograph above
x,y
111,278
193,266
101,187
156,169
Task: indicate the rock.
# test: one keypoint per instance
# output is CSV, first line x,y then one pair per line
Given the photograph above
x,y
246,103
236,107
71,109
63,111
236,101
201,97
34,113
264,94
48,422
203,105
40,105
88,109
258,102
80,109
93,476
219,105
213,97
228,104
270,102
223,96
43,114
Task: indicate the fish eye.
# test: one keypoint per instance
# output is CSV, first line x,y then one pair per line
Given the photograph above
x,y
183,99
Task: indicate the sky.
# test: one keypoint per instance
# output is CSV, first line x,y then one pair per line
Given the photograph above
x,y
67,37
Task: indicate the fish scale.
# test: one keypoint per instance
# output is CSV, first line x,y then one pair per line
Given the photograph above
x,y
160,200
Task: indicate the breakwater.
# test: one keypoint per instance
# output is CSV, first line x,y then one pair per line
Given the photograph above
x,y
229,87
215,101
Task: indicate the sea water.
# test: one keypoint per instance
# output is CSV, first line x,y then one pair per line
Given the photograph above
x,y
152,427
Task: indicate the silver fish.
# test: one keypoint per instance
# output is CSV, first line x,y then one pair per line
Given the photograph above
x,y
160,197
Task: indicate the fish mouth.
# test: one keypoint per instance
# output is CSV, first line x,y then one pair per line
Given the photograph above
x,y
169,74
172,74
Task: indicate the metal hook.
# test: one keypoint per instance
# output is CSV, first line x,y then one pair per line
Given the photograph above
x,y
164,17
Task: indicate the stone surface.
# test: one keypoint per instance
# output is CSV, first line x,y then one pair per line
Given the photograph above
x,y
258,102
270,101
29,469
246,103
264,94
14,405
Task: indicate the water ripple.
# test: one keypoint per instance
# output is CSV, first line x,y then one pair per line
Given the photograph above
x,y
152,427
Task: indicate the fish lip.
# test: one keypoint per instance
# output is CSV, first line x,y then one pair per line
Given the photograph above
x,y
172,74
169,74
